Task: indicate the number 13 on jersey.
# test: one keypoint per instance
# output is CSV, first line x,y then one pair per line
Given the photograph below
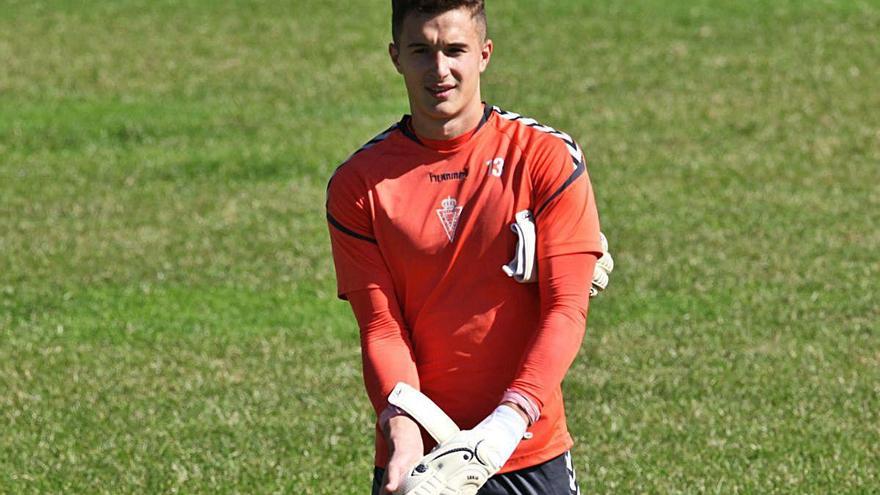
x,y
496,166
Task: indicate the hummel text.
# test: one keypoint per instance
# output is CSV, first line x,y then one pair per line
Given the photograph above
x,y
462,175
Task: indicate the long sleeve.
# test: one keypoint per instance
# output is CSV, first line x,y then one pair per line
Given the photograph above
x,y
565,293
386,350
364,279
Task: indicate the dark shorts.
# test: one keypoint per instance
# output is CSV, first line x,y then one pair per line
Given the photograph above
x,y
554,477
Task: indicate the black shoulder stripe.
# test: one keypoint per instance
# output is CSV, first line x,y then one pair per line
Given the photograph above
x,y
579,171
378,139
369,144
346,230
577,155
574,150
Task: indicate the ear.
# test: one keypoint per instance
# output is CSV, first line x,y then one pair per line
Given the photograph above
x,y
486,54
394,53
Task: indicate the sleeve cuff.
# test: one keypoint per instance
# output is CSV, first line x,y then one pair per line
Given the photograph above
x,y
523,403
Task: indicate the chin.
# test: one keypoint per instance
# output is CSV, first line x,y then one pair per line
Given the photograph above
x,y
445,109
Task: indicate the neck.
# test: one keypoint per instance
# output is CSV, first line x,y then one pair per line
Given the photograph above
x,y
442,129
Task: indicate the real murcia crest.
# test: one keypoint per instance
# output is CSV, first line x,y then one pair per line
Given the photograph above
x,y
449,215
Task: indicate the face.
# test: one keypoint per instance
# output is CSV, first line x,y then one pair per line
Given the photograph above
x,y
441,58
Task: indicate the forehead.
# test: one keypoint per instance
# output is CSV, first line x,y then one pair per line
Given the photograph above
x,y
457,25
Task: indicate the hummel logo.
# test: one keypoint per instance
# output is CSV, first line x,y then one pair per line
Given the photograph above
x,y
461,175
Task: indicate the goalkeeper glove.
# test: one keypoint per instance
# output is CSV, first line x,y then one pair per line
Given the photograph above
x,y
524,268
463,460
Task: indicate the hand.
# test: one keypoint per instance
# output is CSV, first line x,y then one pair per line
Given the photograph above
x,y
464,462
405,449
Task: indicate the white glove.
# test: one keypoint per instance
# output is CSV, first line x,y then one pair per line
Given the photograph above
x,y
604,267
464,461
523,267
459,466
501,431
463,464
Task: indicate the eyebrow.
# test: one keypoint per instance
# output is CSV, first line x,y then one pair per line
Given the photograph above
x,y
416,44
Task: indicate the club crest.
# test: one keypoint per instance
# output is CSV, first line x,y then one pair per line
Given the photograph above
x,y
449,215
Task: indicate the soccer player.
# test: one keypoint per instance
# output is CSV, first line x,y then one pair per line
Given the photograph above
x,y
419,222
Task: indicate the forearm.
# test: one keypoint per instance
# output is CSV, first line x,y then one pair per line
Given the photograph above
x,y
565,287
386,350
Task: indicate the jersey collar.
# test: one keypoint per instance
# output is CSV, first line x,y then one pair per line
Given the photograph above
x,y
406,128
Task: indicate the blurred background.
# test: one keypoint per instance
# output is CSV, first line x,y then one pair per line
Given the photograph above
x,y
168,319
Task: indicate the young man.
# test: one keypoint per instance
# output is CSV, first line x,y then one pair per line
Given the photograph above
x,y
420,225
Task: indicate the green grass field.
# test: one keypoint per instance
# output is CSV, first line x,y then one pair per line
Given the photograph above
x,y
168,320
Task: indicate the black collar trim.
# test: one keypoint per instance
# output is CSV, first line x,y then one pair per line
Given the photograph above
x,y
407,131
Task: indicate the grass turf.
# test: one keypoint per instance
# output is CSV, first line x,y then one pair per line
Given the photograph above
x,y
167,312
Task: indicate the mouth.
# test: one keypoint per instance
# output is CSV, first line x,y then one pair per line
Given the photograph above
x,y
441,91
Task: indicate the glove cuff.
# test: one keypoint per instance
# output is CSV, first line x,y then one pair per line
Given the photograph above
x,y
527,405
503,429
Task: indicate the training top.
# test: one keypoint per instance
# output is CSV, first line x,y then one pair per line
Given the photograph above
x,y
430,222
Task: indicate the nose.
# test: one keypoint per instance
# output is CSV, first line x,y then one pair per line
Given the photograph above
x,y
440,65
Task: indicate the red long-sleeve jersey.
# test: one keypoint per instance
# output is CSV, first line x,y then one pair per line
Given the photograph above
x,y
420,230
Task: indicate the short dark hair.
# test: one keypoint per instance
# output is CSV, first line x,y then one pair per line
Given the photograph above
x,y
400,9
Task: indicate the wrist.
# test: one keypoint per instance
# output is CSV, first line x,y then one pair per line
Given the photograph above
x,y
519,410
387,414
525,404
397,426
